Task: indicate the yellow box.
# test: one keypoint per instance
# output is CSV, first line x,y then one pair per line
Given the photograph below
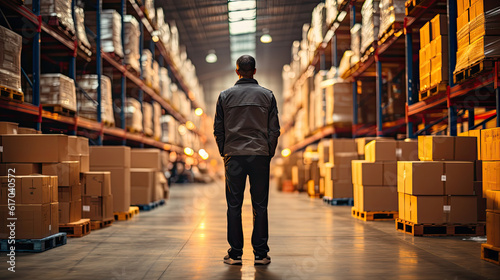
x,y
421,55
477,28
425,34
425,68
439,26
464,41
438,76
401,205
467,3
460,7
425,82
462,19
436,62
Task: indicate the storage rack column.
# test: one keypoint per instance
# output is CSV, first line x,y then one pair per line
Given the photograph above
x,y
99,70
36,64
123,94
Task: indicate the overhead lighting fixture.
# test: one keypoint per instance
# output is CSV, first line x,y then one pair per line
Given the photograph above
x,y
198,112
190,125
211,57
203,154
188,151
286,152
266,38
242,17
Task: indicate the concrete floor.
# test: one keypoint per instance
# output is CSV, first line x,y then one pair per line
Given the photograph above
x,y
186,239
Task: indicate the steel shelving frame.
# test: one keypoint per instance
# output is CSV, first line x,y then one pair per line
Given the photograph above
x,y
34,112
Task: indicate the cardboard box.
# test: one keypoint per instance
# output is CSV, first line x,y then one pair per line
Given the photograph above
x,y
462,19
407,150
97,208
140,195
465,148
41,148
68,172
423,178
146,158
142,184
425,35
109,156
378,198
54,218
361,142
75,213
493,201
407,207
459,178
81,145
491,175
367,173
463,210
20,169
460,7
34,189
68,194
96,183
390,176
64,212
477,134
425,67
342,189
439,26
53,189
84,164
432,148
381,151
481,201
425,81
428,209
492,226
25,130
33,221
401,176
8,128
401,206
120,185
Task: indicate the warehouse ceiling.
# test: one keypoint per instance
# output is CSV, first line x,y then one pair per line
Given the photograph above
x,y
203,26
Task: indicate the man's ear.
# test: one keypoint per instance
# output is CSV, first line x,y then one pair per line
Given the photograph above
x,y
237,72
254,71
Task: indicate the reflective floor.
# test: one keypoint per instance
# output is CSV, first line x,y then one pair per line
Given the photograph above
x,y
186,239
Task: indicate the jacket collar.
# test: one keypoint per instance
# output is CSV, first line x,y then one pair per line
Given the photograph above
x,y
246,81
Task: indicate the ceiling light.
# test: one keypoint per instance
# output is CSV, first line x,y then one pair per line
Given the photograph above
x,y
155,36
286,152
266,38
203,154
190,125
211,57
188,151
198,112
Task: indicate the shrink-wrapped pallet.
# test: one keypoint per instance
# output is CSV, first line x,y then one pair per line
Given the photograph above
x,y
391,11
133,114
370,13
345,62
331,11
160,18
165,81
155,76
131,43
87,102
149,9
58,8
169,129
57,89
81,34
111,28
156,120
147,110
10,60
356,43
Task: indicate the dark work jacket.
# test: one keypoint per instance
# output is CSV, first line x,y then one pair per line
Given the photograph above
x,y
246,120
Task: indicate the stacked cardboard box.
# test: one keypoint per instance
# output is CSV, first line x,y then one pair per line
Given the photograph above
x,y
490,154
439,50
97,199
335,156
370,14
87,105
425,57
116,160
311,170
391,11
375,178
478,31
111,27
57,89
439,189
10,61
131,42
148,184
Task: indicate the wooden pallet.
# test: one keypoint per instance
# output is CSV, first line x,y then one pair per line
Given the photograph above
x,y
56,23
86,49
348,201
368,52
125,216
76,229
59,109
490,253
94,225
374,215
433,90
35,245
134,210
11,95
115,57
473,70
150,206
440,229
391,30
133,130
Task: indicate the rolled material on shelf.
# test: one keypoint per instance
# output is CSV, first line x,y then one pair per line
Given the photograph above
x,y
355,43
370,13
390,11
147,110
155,76
111,26
81,34
10,60
59,8
147,71
131,43
318,22
57,89
87,102
165,81
157,112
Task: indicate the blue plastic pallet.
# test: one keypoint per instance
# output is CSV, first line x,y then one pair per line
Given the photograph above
x,y
35,245
152,205
339,201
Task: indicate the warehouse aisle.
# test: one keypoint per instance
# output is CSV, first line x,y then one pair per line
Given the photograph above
x,y
186,239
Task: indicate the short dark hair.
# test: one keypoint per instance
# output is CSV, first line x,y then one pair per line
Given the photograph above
x,y
246,64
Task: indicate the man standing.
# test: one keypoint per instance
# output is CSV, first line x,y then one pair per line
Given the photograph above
x,y
246,130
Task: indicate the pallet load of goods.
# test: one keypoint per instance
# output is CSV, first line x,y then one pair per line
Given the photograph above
x,y
392,14
437,195
433,57
10,63
478,36
374,179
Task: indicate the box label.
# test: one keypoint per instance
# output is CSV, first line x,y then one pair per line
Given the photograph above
x,y
447,208
86,208
443,178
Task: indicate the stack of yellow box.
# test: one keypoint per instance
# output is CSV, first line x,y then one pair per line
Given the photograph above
x,y
439,189
439,50
425,57
311,170
490,154
478,31
375,179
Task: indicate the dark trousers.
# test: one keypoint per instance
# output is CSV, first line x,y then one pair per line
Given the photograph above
x,y
237,170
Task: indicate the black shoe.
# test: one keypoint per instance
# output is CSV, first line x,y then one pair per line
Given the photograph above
x,y
229,260
262,260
